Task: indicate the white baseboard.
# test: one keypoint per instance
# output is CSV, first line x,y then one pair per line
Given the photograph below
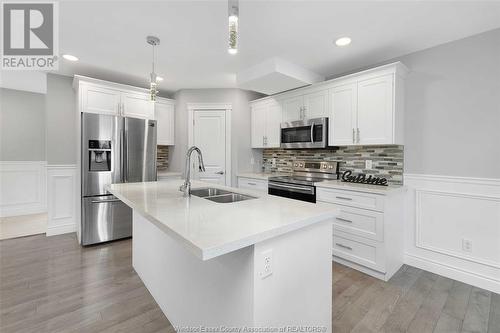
x,y
61,229
442,213
23,188
62,201
454,273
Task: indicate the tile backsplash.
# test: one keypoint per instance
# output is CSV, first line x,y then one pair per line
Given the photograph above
x,y
161,158
387,159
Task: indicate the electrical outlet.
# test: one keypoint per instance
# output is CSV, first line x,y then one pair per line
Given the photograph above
x,y
466,245
368,164
273,162
267,263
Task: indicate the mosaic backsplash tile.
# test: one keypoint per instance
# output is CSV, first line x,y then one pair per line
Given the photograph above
x,y
387,159
161,158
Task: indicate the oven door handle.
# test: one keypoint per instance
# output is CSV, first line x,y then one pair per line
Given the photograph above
x,y
312,132
292,188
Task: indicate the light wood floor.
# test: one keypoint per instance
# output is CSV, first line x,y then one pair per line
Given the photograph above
x,y
51,284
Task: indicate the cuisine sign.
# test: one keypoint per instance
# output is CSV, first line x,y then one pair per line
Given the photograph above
x,y
361,178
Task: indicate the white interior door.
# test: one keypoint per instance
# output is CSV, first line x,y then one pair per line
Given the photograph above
x,y
209,134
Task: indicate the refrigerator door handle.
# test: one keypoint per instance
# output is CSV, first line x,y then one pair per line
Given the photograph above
x,y
124,156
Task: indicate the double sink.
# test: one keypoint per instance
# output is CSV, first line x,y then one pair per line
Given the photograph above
x,y
219,195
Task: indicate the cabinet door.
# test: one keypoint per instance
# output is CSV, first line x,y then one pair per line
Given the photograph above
x,y
137,105
292,108
375,110
258,125
97,99
165,117
273,123
342,120
316,104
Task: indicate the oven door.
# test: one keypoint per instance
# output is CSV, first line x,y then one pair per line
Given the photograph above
x,y
309,133
293,191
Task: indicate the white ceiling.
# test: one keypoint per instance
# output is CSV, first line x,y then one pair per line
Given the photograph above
x,y
109,36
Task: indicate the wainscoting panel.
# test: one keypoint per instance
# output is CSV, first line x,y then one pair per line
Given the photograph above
x,y
61,199
22,188
453,228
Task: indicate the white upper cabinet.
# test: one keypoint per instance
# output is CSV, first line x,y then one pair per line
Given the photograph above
x,y
99,99
293,108
376,110
273,125
97,96
342,122
265,124
307,106
316,104
165,118
137,105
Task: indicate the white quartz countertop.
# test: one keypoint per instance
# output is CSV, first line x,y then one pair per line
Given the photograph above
x,y
212,229
259,175
376,189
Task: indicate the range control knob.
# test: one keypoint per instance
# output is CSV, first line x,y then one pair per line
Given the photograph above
x,y
296,165
330,167
324,166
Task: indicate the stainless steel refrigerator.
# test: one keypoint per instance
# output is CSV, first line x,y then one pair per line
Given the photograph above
x,y
114,150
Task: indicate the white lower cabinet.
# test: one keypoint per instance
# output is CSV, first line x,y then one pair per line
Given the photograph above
x,y
368,232
252,184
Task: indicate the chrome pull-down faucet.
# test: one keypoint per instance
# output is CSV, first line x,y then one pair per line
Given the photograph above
x,y
186,187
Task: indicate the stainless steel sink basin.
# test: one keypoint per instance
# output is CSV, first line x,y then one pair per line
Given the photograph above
x,y
231,197
219,195
208,192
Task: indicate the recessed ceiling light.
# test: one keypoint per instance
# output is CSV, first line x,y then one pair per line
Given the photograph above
x,y
159,78
70,57
343,41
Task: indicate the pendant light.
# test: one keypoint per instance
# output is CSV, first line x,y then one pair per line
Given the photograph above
x,y
153,91
233,16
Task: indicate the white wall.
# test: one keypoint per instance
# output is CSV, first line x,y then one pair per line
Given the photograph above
x,y
240,144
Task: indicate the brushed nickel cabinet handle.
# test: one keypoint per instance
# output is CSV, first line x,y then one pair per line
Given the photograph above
x,y
358,135
343,198
343,220
252,184
344,246
353,136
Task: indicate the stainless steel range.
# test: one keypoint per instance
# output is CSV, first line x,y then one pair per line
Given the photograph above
x,y
300,184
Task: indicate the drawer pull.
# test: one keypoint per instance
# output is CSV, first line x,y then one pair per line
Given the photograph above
x,y
344,246
343,220
251,183
344,198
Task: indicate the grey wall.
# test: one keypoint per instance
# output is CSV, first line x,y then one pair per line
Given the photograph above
x,y
22,126
241,152
61,113
452,124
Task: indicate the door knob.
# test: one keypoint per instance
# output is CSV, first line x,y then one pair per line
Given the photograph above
x,y
220,173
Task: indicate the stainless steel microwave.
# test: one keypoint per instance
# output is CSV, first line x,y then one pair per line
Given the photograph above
x,y
307,133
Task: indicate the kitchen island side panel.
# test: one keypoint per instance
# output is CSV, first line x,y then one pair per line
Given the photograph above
x,y
190,291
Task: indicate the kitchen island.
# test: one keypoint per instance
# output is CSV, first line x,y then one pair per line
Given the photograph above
x,y
261,263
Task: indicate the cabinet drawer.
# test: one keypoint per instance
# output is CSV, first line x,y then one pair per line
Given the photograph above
x,y
360,222
253,184
360,251
351,198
